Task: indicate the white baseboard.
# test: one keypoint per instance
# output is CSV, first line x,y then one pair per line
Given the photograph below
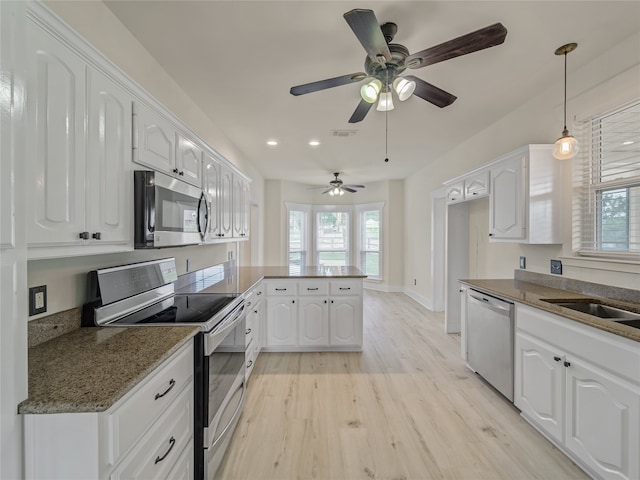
x,y
425,302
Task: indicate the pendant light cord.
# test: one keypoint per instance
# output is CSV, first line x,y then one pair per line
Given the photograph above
x,y
565,90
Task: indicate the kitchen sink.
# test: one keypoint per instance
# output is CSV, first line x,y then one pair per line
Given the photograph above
x,y
598,309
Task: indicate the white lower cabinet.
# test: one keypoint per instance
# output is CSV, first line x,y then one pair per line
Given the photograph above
x,y
146,434
584,395
254,326
324,314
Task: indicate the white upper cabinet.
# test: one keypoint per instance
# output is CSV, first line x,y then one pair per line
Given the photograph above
x,y
455,193
79,193
56,159
225,202
109,193
525,202
240,208
476,186
157,144
211,186
189,160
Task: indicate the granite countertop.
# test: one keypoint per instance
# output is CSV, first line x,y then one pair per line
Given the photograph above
x,y
89,369
241,279
533,294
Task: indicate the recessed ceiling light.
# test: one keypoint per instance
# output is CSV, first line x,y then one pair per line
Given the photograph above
x,y
272,143
314,143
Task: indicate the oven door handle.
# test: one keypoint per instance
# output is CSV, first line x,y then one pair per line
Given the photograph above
x,y
215,337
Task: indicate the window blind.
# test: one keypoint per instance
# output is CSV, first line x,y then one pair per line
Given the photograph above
x,y
607,185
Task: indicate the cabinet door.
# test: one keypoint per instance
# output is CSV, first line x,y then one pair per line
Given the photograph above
x,y
507,199
189,161
539,384
246,207
282,320
313,321
238,206
455,193
211,186
56,152
154,140
224,202
345,318
476,186
603,421
109,151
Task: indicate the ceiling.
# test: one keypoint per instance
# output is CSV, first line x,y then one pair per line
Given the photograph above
x,y
238,59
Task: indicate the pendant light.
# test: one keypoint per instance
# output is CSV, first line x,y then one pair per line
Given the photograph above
x,y
566,146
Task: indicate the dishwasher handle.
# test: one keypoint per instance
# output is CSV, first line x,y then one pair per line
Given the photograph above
x,y
490,301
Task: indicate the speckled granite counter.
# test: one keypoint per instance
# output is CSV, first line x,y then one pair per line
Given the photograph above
x,y
533,294
89,369
241,279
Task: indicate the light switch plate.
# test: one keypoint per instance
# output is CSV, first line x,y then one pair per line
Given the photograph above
x,y
37,300
556,267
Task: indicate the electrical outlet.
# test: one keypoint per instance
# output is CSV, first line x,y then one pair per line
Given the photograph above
x,y
523,263
556,267
37,300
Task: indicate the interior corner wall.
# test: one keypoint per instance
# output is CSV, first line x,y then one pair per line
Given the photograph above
x,y
601,84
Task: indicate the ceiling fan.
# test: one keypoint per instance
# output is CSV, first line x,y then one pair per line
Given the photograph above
x,y
338,187
386,61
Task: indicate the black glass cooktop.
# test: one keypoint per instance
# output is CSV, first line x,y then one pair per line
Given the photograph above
x,y
180,309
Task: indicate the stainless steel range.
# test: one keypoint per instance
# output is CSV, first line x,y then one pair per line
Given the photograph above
x,y
143,294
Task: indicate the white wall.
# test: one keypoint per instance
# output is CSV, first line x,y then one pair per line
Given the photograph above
x,y
390,192
607,81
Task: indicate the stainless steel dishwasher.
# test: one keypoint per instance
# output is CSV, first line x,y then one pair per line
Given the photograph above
x,y
490,338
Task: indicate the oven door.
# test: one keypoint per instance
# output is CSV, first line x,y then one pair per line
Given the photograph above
x,y
168,212
224,364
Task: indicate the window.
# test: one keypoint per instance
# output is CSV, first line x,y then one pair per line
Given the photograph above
x,y
369,229
607,179
298,236
332,238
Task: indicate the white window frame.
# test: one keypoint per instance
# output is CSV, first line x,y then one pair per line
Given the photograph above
x,y
307,232
333,209
588,185
360,210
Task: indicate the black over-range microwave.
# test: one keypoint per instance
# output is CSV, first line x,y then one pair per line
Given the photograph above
x,y
168,211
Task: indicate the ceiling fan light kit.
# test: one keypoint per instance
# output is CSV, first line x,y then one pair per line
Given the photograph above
x,y
338,187
566,147
386,62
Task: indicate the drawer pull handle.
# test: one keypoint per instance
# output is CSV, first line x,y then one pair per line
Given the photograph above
x,y
250,363
312,289
247,331
259,293
345,288
557,359
172,441
567,364
172,383
281,289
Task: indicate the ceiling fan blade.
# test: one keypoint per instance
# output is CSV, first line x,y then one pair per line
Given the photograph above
x,y
328,190
367,29
360,112
431,93
471,42
349,189
354,186
327,83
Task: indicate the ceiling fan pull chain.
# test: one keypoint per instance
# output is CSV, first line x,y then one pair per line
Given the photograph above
x,y
386,129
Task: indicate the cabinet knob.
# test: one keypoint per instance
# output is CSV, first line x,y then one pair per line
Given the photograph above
x,y
255,311
556,358
325,301
96,235
175,170
84,235
331,301
491,234
247,331
567,364
181,173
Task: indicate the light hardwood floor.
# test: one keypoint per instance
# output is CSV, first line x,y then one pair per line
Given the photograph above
x,y
406,407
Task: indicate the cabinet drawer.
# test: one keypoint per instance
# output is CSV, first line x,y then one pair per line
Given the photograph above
x,y
313,287
345,287
159,450
281,288
141,407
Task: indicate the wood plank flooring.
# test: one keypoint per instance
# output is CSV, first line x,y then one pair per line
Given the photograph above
x,y
407,408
